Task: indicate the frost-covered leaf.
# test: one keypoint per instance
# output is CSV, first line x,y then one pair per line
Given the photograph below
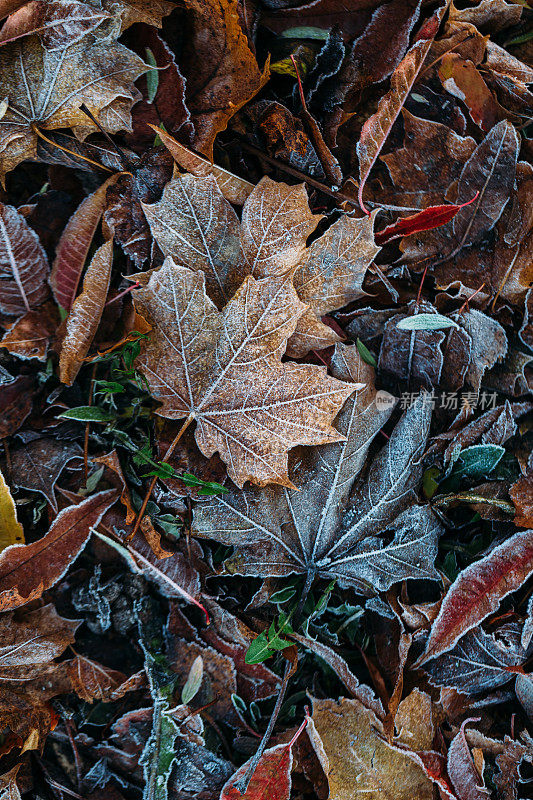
x,y
466,780
38,464
23,264
478,591
331,525
224,371
59,23
46,89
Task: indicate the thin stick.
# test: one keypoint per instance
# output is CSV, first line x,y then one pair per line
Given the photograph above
x,y
124,158
466,302
87,429
242,785
41,135
321,187
148,494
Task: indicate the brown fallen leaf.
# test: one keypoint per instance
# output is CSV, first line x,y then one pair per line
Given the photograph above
x,y
465,778
16,402
522,496
38,464
85,314
8,784
346,737
131,11
11,531
23,264
31,640
220,69
49,99
478,591
26,571
30,335
377,128
59,23
10,6
112,462
74,245
461,79
235,189
224,371
92,681
197,226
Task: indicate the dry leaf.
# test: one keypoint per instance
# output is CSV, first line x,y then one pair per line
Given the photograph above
x,y
522,496
478,591
30,335
59,23
221,71
85,314
47,88
466,780
196,225
92,681
234,189
224,371
11,531
26,571
73,247
359,762
331,525
23,264
38,464
376,129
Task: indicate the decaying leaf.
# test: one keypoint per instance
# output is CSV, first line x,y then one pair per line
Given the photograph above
x,y
92,681
478,591
356,758
38,464
332,525
58,23
23,264
223,370
26,571
85,314
29,337
466,780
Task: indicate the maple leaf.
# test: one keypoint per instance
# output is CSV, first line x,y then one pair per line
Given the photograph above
x,y
331,525
224,370
23,264
58,23
197,226
45,90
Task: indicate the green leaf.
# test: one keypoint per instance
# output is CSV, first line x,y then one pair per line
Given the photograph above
x,y
194,681
365,353
426,322
477,461
429,482
258,651
152,76
305,32
87,414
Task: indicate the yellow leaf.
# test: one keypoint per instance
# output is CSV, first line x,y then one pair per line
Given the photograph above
x,y
11,531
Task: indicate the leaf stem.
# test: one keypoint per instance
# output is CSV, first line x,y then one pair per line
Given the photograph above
x,y
41,135
148,494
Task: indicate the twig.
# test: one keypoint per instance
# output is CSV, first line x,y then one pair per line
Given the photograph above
x,y
148,494
123,157
290,668
87,428
41,135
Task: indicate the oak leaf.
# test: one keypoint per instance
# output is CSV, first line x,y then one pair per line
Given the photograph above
x,y
332,525
26,571
46,89
85,314
478,591
224,370
23,264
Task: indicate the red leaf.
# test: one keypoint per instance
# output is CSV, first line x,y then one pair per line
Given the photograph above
x,y
74,245
26,571
271,779
478,590
432,217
